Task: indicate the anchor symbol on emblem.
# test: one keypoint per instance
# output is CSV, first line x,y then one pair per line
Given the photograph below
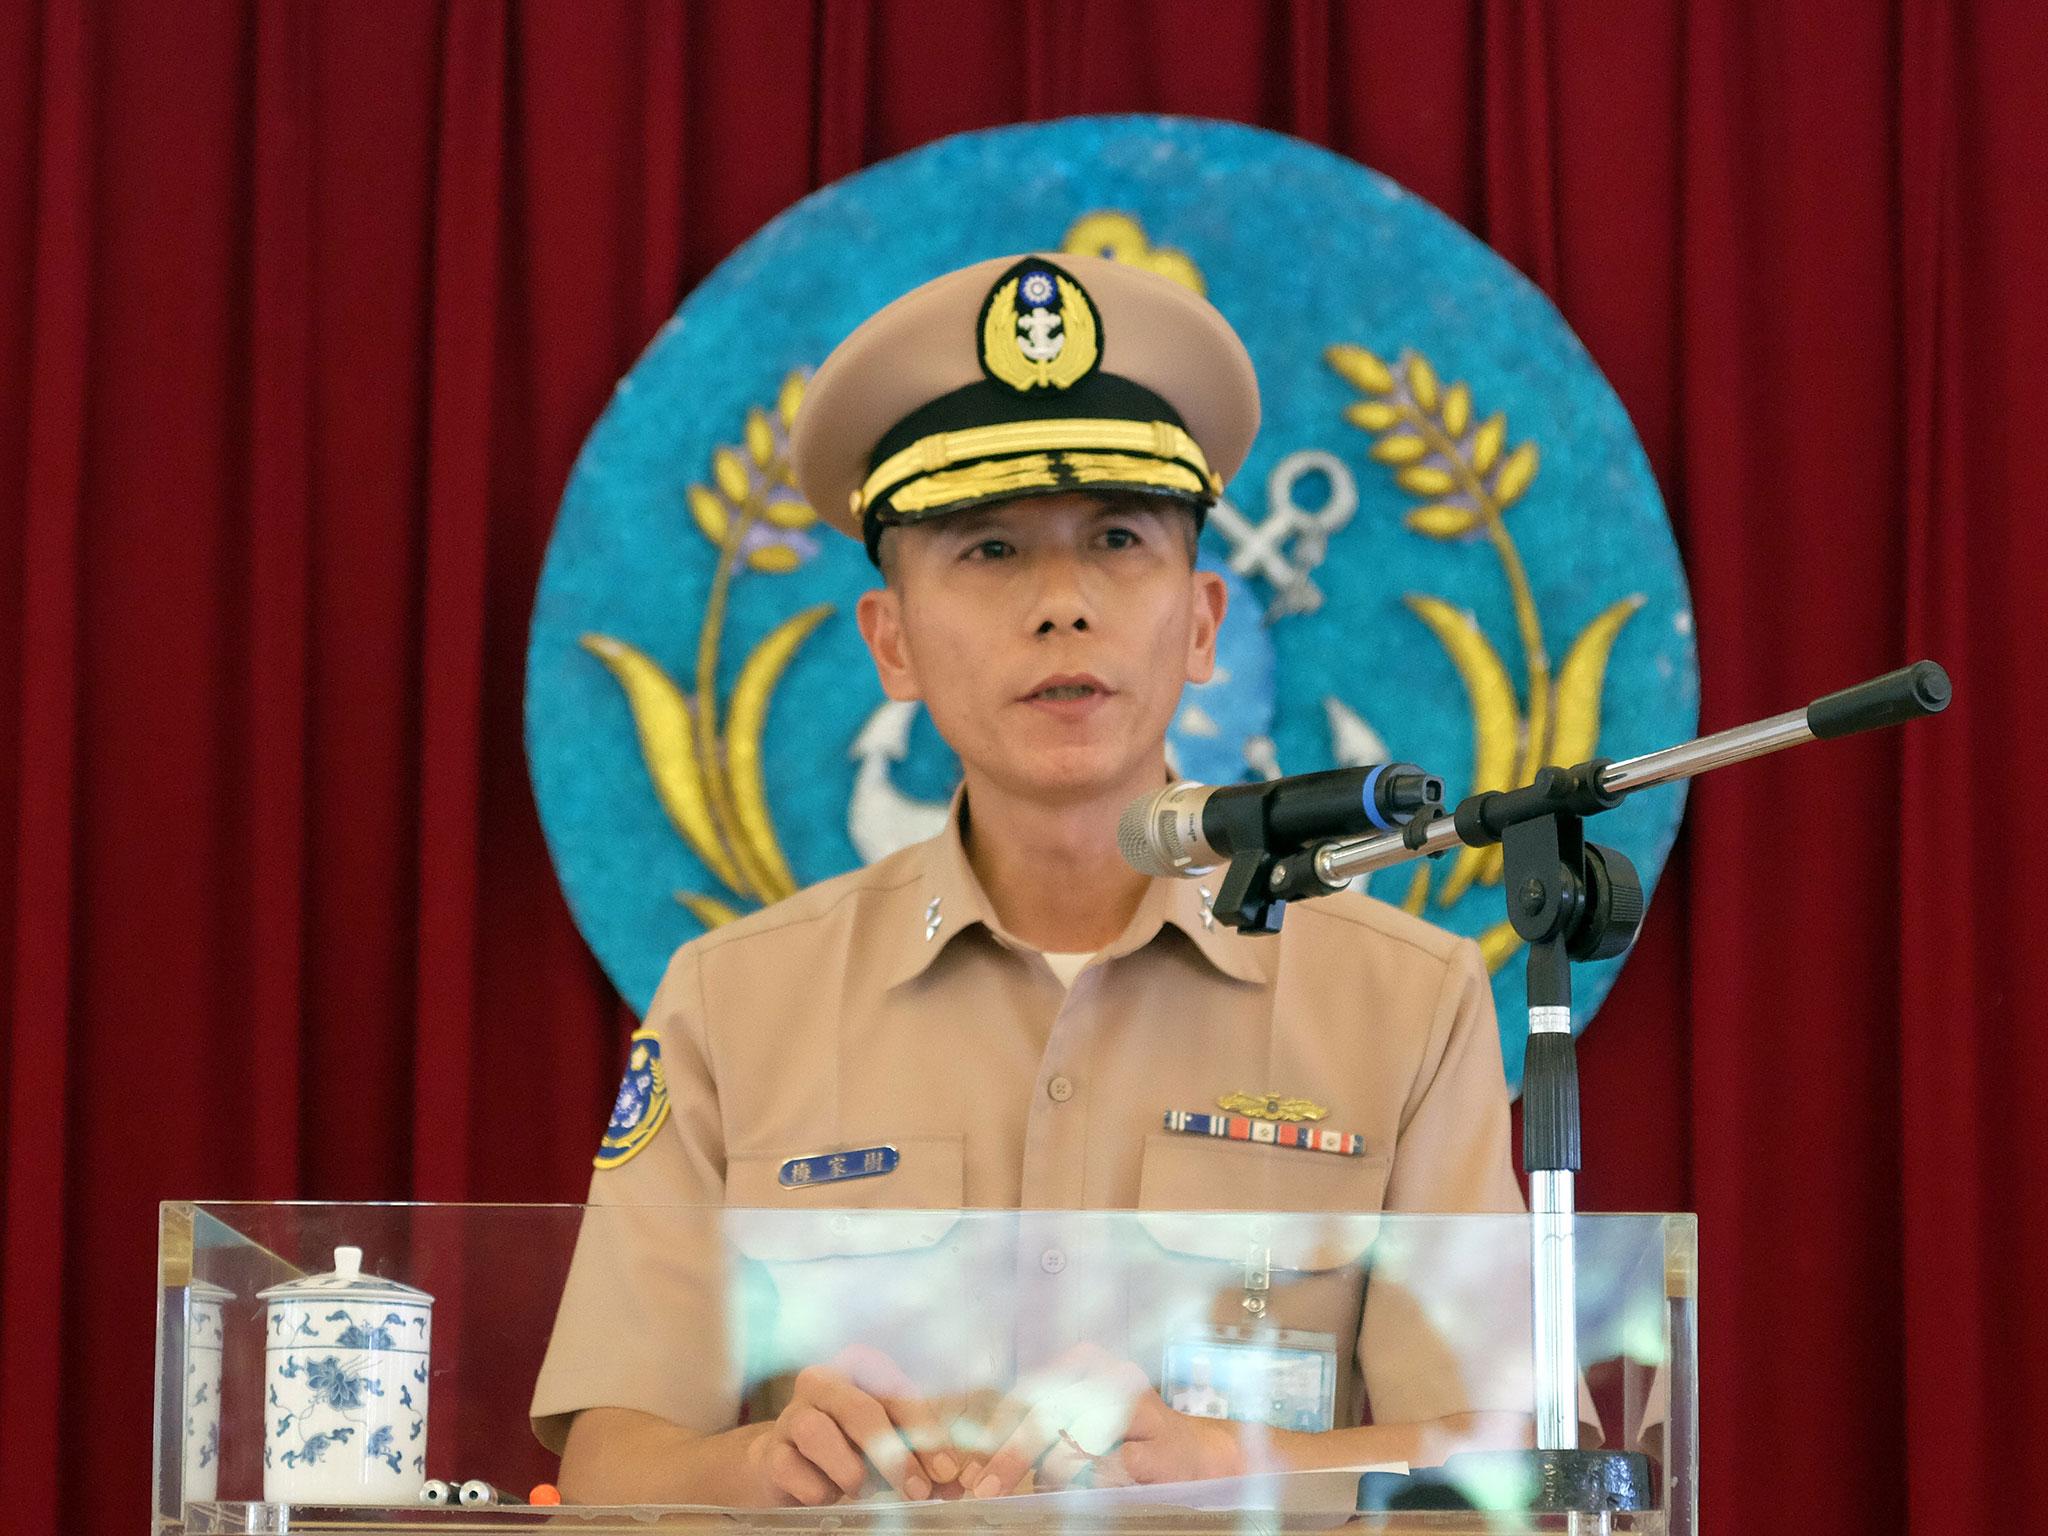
x,y
1260,549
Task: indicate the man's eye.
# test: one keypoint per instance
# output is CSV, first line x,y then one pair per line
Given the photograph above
x,y
988,549
1120,538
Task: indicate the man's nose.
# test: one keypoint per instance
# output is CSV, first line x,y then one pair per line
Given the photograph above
x,y
1061,601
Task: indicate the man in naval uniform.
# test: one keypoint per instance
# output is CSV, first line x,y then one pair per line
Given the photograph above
x,y
1006,1016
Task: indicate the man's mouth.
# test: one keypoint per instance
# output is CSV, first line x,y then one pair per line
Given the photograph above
x,y
1062,690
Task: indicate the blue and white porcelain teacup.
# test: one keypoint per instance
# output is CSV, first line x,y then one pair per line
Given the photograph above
x,y
205,1330
345,1388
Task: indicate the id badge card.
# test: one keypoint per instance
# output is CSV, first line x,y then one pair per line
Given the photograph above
x,y
1282,1377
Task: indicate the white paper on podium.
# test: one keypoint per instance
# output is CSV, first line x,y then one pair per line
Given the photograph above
x,y
1320,1499
1323,1491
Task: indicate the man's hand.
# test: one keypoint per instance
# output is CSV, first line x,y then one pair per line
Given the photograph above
x,y
858,1412
1091,1417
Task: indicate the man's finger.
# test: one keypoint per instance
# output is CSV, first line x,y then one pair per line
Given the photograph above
x,y
868,1425
818,1435
929,1440
1096,1407
885,1381
1064,1466
983,1436
982,1477
1142,1461
795,1476
1162,1446
1036,1433
1141,1416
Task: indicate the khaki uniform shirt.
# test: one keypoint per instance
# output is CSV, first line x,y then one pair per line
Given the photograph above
x,y
888,1007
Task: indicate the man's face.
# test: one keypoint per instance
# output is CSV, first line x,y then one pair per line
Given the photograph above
x,y
1049,637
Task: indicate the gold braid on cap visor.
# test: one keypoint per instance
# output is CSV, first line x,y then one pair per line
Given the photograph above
x,y
975,463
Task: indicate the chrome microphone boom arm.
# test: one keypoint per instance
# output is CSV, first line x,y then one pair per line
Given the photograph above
x,y
1907,694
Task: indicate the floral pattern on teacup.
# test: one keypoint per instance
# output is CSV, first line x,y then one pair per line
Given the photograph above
x,y
380,1326
347,1411
203,1340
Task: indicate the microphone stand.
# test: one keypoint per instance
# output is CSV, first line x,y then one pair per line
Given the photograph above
x,y
1574,900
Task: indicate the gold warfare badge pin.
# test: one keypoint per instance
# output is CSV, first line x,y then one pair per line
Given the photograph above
x,y
1039,329
1272,1106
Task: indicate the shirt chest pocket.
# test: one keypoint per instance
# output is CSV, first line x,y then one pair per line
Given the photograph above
x,y
882,1263
1243,1235
911,1208
1311,1210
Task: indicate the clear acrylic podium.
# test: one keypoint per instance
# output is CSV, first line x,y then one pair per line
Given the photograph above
x,y
298,1394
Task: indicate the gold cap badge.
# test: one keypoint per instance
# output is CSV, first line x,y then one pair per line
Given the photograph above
x,y
1039,329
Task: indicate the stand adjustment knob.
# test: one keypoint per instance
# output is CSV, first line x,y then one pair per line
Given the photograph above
x,y
1613,913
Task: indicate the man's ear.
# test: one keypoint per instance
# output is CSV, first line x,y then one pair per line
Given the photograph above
x,y
879,613
1209,598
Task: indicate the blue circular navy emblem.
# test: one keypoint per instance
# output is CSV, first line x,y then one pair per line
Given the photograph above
x,y
641,1106
1445,547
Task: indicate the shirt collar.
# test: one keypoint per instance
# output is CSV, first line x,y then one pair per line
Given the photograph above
x,y
1187,908
943,902
946,900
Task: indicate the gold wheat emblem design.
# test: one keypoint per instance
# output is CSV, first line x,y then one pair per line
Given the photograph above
x,y
707,770
1466,479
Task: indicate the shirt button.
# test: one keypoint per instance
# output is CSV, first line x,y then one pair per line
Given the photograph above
x,y
1059,1090
1052,1261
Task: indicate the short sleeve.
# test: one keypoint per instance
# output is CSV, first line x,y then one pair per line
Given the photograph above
x,y
1453,1151
643,1317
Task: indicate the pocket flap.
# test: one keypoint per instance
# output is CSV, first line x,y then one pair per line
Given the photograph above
x,y
913,1207
1307,1210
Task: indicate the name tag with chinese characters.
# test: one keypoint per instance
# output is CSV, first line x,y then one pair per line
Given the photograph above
x,y
836,1167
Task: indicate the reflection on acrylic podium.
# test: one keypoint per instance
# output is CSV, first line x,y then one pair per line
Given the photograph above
x,y
319,1366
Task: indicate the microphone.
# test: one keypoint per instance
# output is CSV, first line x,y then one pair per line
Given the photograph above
x,y
1188,829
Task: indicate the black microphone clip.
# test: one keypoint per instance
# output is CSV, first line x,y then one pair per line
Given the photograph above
x,y
1274,829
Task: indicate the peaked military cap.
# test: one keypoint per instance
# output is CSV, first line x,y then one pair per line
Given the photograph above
x,y
1025,376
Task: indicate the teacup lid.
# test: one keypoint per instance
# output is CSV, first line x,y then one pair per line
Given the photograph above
x,y
345,1282
206,1290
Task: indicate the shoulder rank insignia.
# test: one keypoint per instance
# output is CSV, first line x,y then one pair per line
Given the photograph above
x,y
1039,329
1271,1106
641,1106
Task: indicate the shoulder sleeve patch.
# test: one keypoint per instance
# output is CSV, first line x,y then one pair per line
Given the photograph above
x,y
641,1106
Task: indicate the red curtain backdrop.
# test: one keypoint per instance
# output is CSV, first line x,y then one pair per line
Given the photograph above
x,y
305,309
